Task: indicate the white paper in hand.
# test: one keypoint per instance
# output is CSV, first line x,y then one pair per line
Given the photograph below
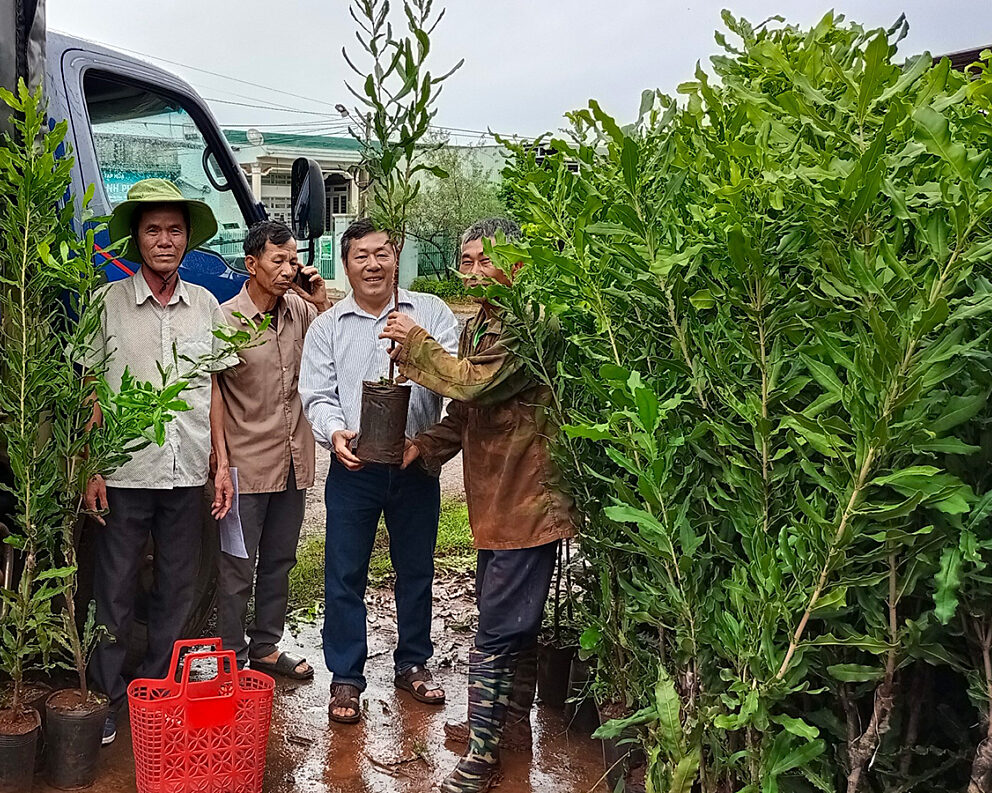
x,y
232,537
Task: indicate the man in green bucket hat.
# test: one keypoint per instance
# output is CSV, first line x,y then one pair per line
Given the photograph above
x,y
153,319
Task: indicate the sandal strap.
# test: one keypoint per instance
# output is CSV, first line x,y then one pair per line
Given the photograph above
x,y
342,696
289,662
420,674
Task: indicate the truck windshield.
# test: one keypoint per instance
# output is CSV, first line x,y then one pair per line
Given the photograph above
x,y
139,134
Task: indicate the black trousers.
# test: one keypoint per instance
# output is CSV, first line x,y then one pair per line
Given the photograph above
x,y
511,588
173,518
270,524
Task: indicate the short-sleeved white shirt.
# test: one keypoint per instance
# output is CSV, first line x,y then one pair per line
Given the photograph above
x,y
138,333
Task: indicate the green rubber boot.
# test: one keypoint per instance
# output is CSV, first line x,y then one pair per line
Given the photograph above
x,y
490,679
516,735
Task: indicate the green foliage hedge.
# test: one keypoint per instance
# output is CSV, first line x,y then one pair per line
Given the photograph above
x,y
448,288
763,314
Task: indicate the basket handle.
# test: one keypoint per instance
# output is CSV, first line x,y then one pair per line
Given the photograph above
x,y
189,644
204,712
226,672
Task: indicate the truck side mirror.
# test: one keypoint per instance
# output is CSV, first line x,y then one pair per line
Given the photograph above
x,y
308,200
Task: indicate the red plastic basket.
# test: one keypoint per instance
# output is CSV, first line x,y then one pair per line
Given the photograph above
x,y
201,736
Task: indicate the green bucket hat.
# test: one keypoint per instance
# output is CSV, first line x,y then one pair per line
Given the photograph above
x,y
202,223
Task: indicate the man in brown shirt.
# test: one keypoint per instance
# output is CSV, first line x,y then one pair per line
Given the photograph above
x,y
516,507
260,430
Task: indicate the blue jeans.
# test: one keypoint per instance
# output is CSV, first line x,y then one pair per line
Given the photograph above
x,y
411,502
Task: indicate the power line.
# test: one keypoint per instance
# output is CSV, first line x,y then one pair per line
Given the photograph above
x,y
285,125
213,73
269,105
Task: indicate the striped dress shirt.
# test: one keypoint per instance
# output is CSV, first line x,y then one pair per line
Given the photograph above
x,y
343,348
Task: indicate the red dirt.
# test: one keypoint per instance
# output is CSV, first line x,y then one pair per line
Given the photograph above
x,y
22,723
70,700
34,694
399,746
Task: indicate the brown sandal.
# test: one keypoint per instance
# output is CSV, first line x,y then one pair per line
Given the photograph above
x,y
408,679
344,695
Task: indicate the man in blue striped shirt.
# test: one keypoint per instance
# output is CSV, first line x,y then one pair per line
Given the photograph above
x,y
341,350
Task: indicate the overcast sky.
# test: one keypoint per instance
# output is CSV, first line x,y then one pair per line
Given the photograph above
x,y
526,61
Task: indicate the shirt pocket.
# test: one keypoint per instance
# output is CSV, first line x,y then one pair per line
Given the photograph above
x,y
192,350
296,361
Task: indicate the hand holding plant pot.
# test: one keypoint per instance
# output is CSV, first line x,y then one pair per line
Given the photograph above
x,y
396,104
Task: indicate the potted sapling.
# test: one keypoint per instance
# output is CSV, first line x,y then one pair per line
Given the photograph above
x,y
31,182
51,306
395,107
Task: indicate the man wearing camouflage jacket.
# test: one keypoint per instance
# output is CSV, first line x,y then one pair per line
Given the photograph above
x,y
516,509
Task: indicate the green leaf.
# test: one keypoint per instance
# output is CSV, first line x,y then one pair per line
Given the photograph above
x,y
628,162
594,432
797,727
669,709
799,756
702,299
949,445
55,572
933,131
590,638
906,476
833,600
739,249
855,673
823,374
876,55
948,581
685,772
615,728
958,411
647,408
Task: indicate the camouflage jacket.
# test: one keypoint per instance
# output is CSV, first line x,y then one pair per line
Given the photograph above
x,y
496,418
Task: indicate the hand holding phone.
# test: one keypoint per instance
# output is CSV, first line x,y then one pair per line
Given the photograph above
x,y
303,281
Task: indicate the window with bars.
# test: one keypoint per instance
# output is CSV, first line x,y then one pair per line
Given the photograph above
x,y
279,208
337,199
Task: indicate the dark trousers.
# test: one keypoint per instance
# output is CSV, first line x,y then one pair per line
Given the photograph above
x,y
411,503
173,518
270,523
511,588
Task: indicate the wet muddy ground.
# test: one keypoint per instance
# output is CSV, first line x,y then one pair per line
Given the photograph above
x,y
399,745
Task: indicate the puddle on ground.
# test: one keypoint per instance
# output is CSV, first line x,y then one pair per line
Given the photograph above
x,y
399,745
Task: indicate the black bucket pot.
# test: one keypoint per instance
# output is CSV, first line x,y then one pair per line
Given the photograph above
x,y
382,435
72,742
553,664
17,756
581,715
35,693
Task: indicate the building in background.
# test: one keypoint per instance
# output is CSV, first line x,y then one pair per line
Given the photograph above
x,y
267,159
166,144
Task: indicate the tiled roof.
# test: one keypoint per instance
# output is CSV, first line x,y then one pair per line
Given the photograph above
x,y
963,58
284,140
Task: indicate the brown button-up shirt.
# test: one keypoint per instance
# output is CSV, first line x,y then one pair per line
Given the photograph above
x,y
265,427
512,487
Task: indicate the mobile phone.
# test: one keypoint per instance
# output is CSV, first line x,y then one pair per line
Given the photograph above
x,y
303,281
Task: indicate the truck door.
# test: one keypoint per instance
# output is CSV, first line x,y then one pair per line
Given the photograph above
x,y
135,130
